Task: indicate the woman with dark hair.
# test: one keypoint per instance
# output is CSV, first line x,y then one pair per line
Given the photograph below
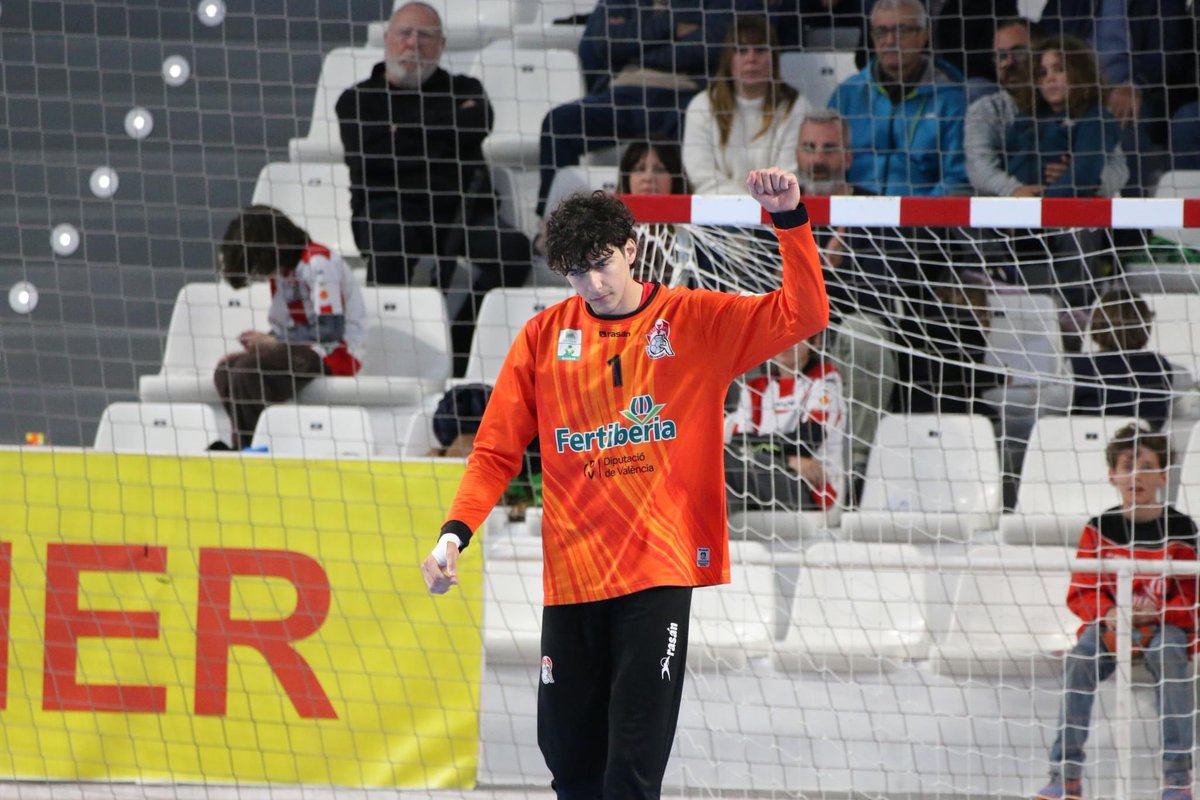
x,y
747,117
652,167
1062,140
317,316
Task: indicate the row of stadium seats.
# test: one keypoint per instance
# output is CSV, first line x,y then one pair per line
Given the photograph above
x,y
842,607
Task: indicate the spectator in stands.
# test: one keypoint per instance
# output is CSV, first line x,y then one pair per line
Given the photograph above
x,y
905,110
1124,378
653,167
746,116
960,29
1147,54
317,316
413,137
947,365
788,434
1163,613
862,286
1051,138
991,120
1061,144
643,61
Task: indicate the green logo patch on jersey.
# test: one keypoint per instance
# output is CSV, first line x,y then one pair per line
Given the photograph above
x,y
570,341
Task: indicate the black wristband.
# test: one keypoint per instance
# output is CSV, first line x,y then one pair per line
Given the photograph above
x,y
790,219
459,529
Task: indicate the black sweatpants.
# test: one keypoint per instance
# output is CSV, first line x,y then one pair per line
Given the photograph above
x,y
608,701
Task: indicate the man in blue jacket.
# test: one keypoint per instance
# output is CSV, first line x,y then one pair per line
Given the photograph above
x,y
905,110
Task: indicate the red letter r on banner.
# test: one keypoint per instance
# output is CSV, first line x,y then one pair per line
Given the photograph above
x,y
216,631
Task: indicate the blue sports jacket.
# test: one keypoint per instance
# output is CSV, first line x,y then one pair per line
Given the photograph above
x,y
914,147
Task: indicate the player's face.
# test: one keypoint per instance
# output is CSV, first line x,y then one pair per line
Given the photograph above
x,y
899,41
821,155
1140,480
413,46
608,287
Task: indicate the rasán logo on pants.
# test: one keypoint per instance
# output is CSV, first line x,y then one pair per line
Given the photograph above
x,y
647,426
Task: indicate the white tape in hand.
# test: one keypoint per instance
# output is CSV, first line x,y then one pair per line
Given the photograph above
x,y
439,552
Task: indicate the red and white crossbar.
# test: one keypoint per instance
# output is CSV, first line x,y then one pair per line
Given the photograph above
x,y
973,212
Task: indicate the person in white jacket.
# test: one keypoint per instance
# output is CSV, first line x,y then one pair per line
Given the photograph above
x,y
747,117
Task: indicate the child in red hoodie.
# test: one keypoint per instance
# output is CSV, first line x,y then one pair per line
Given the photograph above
x,y
1163,612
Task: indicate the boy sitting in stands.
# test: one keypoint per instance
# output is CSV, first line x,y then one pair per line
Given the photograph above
x,y
1163,615
317,316
790,423
1124,378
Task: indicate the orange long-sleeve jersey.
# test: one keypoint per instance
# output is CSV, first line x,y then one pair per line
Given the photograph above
x,y
629,411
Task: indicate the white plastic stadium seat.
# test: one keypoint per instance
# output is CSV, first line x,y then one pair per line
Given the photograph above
x,y
1009,624
501,315
1189,477
857,618
733,622
1026,337
342,68
522,86
291,431
1064,480
1175,332
407,352
816,74
161,428
545,30
205,324
569,180
1179,183
317,198
930,477
512,599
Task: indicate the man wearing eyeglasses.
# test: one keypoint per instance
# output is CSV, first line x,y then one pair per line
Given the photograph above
x,y
989,118
905,110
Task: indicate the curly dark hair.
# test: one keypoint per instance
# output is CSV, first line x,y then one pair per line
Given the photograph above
x,y
584,229
1133,436
259,242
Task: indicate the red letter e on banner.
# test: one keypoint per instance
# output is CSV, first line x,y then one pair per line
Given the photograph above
x,y
66,622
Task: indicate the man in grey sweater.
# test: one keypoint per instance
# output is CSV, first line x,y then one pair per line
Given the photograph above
x,y
989,117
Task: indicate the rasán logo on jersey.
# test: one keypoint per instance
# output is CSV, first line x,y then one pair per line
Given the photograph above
x,y
647,426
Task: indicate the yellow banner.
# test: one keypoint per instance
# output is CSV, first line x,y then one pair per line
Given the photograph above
x,y
228,619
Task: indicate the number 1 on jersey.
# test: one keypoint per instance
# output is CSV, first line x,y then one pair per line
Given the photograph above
x,y
615,363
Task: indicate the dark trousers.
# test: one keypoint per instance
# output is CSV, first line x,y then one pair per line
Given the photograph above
x,y
611,683
602,120
499,256
249,380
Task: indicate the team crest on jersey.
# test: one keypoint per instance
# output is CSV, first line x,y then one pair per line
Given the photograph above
x,y
659,340
570,342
